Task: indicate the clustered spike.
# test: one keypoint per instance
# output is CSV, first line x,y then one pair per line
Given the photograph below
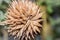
x,y
23,18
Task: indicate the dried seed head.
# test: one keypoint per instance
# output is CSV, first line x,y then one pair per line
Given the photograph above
x,y
24,19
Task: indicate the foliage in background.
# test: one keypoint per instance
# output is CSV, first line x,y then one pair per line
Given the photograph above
x,y
3,8
53,10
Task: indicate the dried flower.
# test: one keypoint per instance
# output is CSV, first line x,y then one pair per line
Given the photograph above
x,y
24,19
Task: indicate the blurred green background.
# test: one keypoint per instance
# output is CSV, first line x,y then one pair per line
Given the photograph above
x,y
53,11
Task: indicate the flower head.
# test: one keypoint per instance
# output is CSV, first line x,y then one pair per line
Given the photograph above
x,y
24,18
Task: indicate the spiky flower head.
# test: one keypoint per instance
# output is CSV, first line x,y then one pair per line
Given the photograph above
x,y
24,18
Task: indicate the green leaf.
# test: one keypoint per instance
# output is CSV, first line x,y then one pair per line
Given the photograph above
x,y
1,2
53,2
1,16
49,9
7,1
